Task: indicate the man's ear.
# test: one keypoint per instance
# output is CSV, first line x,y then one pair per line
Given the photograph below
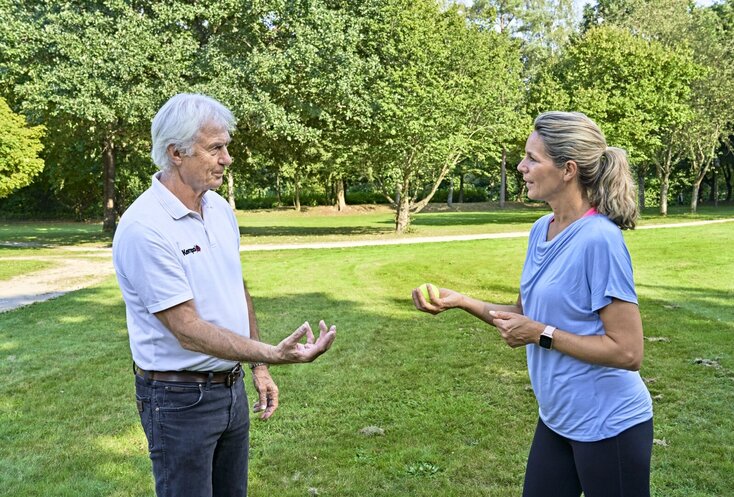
x,y
174,155
570,170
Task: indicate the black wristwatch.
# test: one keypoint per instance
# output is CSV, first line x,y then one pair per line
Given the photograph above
x,y
546,338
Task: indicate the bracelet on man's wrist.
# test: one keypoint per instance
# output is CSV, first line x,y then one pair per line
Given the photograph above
x,y
254,365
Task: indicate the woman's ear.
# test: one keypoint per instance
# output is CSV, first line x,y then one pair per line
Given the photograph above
x,y
570,170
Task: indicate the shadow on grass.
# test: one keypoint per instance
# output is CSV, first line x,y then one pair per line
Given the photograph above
x,y
477,218
68,400
707,302
44,234
723,210
308,231
422,219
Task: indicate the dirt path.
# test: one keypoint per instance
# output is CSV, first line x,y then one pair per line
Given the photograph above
x,y
74,273
67,274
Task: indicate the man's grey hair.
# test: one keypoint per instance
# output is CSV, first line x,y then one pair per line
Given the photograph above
x,y
179,122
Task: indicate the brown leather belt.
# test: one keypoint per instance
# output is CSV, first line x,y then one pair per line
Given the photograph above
x,y
226,377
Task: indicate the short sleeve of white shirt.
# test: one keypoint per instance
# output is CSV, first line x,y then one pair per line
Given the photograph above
x,y
162,283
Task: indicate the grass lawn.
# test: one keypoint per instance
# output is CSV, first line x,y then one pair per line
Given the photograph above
x,y
452,399
12,268
325,224
51,233
378,222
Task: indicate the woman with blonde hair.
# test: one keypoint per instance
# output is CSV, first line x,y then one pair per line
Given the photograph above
x,y
577,316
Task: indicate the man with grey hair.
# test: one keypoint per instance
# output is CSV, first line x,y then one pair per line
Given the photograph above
x,y
190,318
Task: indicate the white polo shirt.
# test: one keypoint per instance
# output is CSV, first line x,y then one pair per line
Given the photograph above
x,y
164,255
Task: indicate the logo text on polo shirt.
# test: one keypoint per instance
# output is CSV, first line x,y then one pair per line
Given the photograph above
x,y
191,250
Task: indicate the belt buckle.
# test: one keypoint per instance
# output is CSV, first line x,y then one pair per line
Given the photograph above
x,y
232,376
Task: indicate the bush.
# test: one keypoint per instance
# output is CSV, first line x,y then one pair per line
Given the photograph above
x,y
286,200
38,202
365,197
471,194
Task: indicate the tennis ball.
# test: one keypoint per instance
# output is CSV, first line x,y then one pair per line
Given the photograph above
x,y
429,291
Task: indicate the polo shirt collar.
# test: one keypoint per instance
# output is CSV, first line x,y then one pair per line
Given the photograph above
x,y
170,203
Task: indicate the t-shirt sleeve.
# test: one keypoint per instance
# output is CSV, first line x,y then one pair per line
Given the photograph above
x,y
609,270
152,268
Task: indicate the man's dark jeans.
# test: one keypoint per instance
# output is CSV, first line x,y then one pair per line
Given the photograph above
x,y
198,437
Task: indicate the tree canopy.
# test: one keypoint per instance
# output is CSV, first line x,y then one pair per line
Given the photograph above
x,y
395,96
19,149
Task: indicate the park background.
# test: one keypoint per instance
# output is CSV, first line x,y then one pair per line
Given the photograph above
x,y
378,121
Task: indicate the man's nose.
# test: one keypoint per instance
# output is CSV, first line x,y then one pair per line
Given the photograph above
x,y
224,157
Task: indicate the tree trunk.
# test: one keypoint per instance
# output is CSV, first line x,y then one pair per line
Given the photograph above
x,y
450,198
277,189
727,181
108,158
696,190
341,199
461,188
402,216
503,177
641,188
694,197
715,183
664,189
297,196
230,188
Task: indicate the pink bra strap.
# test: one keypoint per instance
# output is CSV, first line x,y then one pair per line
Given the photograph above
x,y
590,212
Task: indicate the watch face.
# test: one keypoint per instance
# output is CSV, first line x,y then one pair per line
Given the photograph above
x,y
545,341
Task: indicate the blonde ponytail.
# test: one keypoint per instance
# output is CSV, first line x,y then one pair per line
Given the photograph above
x,y
603,171
613,192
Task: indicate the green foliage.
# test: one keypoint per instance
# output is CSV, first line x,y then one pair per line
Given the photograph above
x,y
471,194
19,149
703,119
634,88
445,90
296,88
396,92
94,73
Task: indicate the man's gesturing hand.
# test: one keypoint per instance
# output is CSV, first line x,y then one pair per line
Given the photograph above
x,y
291,350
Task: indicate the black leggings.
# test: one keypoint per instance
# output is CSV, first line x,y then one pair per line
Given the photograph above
x,y
614,467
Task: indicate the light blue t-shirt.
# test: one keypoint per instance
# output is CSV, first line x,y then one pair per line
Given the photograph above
x,y
565,283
